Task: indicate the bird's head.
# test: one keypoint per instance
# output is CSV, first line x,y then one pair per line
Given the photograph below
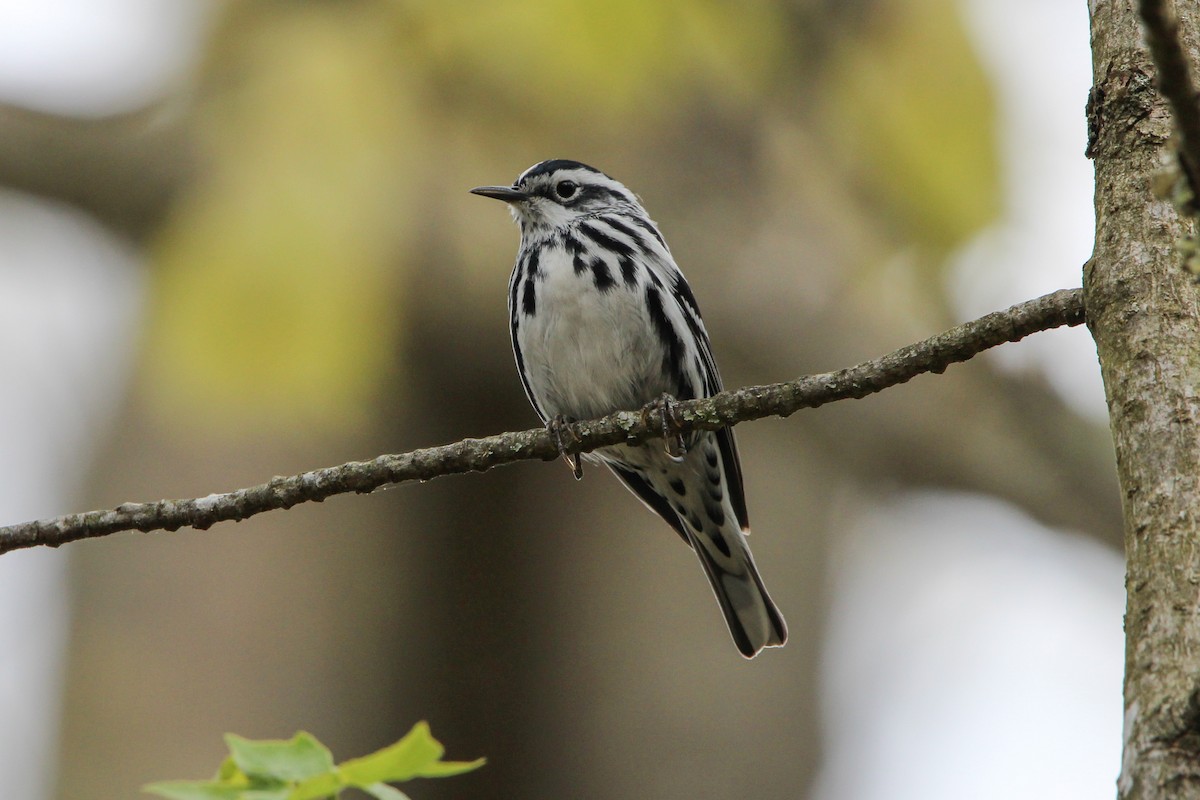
x,y
554,194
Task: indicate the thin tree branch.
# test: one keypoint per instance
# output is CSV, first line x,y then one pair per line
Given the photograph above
x,y
1175,82
1064,307
126,169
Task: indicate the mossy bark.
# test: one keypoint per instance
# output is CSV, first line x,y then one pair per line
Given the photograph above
x,y
1143,312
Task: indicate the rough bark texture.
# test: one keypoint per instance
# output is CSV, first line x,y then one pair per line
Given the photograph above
x,y
1142,309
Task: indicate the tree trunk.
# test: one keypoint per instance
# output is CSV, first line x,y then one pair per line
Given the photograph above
x,y
1142,310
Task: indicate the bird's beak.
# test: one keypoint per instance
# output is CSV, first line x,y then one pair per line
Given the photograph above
x,y
505,193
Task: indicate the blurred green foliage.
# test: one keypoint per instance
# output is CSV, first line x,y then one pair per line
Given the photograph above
x,y
565,62
276,296
912,116
330,135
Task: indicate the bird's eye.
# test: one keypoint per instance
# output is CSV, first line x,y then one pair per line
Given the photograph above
x,y
566,189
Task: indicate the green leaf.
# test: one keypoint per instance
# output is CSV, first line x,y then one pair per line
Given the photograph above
x,y
319,786
229,771
295,759
194,790
281,793
302,768
417,755
444,769
397,762
381,791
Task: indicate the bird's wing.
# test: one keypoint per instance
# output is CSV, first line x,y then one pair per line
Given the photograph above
x,y
711,380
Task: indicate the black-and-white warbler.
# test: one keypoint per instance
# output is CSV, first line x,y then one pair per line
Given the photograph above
x,y
603,320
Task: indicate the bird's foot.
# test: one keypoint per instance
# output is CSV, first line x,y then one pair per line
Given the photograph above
x,y
663,408
562,429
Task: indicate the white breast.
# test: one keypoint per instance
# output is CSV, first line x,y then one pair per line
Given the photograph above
x,y
588,353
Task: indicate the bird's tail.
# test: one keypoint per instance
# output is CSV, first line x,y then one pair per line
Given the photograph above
x,y
754,620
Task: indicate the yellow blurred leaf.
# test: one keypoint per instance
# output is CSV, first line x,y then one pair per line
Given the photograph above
x,y
569,61
911,113
275,296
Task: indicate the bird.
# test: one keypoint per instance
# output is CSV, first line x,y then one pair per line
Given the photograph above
x,y
603,320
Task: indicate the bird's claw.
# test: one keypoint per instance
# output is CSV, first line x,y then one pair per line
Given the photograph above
x,y
664,409
560,428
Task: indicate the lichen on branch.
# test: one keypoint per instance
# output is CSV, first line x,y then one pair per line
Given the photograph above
x,y
935,354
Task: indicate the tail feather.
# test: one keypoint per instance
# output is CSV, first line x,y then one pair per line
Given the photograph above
x,y
754,620
700,496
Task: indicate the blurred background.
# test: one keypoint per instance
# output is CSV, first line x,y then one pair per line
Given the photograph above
x,y
236,242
